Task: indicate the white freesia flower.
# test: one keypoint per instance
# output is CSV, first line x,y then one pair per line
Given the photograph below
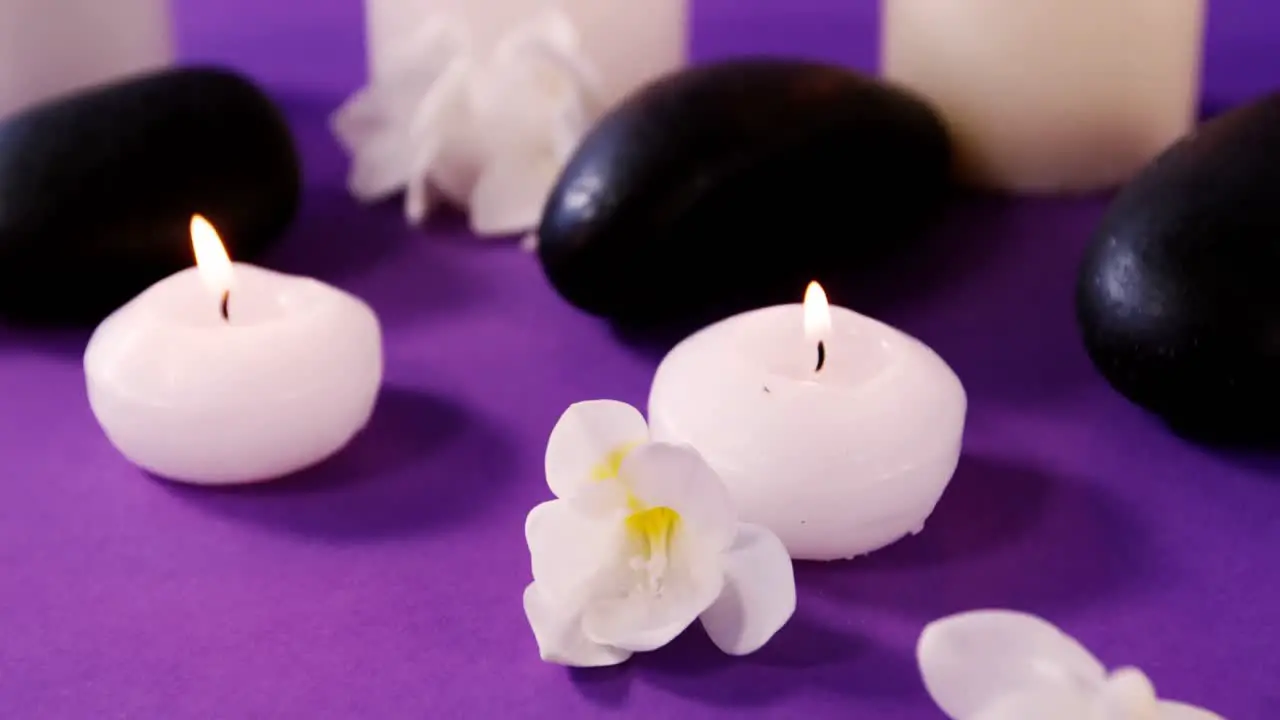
x,y
487,133
641,541
1005,665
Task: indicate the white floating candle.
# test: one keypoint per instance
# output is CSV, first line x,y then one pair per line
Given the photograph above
x,y
48,47
836,431
629,42
1051,95
228,373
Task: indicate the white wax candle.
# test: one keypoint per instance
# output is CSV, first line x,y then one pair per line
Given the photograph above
x,y
629,42
50,47
284,380
837,461
1051,95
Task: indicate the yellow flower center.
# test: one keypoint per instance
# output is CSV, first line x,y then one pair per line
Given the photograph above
x,y
650,528
653,529
612,463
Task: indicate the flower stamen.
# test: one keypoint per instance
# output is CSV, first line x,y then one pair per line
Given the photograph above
x,y
654,528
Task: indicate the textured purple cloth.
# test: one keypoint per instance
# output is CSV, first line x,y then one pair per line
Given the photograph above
x,y
387,584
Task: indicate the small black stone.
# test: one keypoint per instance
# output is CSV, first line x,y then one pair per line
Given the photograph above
x,y
1179,293
97,188
734,184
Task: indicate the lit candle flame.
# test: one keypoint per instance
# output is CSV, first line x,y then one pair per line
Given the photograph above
x,y
817,314
212,260
817,321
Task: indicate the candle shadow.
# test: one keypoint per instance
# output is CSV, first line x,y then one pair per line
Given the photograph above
x,y
1002,536
988,506
807,656
422,464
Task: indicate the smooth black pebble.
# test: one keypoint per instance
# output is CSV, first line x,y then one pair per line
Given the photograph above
x,y
97,189
732,185
1179,293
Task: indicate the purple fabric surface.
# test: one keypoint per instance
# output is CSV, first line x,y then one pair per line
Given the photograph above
x,y
387,583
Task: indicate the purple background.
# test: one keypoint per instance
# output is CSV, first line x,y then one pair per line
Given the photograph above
x,y
387,584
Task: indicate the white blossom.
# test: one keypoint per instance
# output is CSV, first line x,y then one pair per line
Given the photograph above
x,y
1005,665
641,541
487,132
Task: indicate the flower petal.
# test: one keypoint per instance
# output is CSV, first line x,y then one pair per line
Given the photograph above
x,y
1129,693
641,620
363,127
575,67
553,38
378,171
759,594
443,101
553,27
567,128
436,120
417,201
510,195
436,42
570,547
518,110
972,659
589,441
1180,711
376,126
362,117
676,476
560,638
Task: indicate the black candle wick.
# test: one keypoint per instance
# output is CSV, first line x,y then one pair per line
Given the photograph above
x,y
226,298
822,356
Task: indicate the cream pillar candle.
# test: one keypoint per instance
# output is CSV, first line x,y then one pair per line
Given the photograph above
x,y
1051,95
50,47
629,41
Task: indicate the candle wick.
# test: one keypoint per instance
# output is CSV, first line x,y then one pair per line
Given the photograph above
x,y
822,356
226,298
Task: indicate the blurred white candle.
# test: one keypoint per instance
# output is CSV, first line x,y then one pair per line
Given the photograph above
x,y
1051,95
835,431
228,373
50,47
630,41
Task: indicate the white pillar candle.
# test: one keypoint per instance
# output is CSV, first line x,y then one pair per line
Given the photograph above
x,y
229,373
1051,95
50,47
629,42
835,431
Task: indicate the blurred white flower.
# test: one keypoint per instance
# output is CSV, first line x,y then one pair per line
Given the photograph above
x,y
643,540
489,134
1005,665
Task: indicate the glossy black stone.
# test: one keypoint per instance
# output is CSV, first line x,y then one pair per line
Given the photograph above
x,y
1179,293
733,184
97,189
